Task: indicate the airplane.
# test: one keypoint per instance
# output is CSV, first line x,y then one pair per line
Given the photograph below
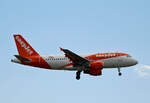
x,y
91,64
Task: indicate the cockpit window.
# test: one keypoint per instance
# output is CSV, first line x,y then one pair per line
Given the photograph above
x,y
128,55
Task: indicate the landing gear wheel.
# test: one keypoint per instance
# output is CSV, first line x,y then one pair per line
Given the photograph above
x,y
78,75
119,74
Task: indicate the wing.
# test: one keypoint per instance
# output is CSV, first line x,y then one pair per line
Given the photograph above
x,y
76,59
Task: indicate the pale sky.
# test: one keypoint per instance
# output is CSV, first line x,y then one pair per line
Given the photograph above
x,y
83,26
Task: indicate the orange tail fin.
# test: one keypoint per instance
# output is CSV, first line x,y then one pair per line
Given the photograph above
x,y
24,49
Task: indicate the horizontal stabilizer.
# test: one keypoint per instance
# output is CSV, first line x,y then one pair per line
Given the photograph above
x,y
22,58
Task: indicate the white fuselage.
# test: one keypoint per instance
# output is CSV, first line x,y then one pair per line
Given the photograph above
x,y
58,62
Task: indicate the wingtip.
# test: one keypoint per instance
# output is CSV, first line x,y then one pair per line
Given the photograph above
x,y
61,49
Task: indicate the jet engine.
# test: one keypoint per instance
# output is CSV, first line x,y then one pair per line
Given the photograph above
x,y
95,69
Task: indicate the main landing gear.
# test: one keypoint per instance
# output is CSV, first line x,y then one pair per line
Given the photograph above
x,y
78,73
119,73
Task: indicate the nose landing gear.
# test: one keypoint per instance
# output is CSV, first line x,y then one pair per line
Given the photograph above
x,y
119,73
78,73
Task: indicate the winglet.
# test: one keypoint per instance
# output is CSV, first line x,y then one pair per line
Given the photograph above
x,y
61,49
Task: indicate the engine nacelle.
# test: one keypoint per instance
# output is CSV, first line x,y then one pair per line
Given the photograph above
x,y
95,68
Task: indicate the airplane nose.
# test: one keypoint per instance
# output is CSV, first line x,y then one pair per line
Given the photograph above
x,y
134,61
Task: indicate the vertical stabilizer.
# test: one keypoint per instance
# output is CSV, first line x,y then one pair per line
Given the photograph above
x,y
24,48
